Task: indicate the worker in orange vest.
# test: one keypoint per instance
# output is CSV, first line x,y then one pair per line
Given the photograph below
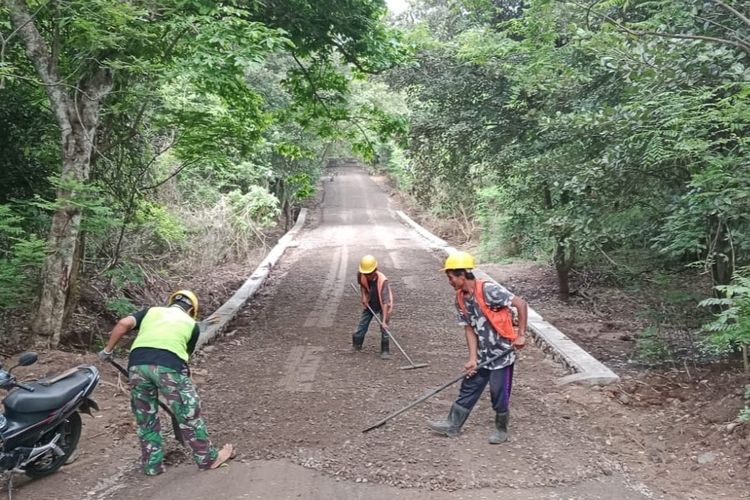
x,y
484,311
375,293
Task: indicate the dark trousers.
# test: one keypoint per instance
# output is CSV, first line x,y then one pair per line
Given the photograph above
x,y
364,324
501,382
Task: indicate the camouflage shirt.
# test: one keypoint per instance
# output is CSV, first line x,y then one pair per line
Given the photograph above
x,y
489,342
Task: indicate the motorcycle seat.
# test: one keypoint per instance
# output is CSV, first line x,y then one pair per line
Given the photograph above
x,y
49,397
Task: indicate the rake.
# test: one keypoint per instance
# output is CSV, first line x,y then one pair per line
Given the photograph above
x,y
412,365
431,393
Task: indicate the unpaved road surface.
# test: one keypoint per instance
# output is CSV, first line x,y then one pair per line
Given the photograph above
x,y
284,388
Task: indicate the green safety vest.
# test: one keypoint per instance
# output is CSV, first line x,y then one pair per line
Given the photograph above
x,y
168,328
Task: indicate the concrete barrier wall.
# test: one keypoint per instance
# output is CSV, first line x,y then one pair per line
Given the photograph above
x,y
224,314
585,368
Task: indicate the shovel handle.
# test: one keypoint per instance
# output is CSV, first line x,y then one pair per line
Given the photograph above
x,y
118,366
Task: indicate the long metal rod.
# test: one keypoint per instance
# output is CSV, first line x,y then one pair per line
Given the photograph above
x,y
435,391
175,423
385,328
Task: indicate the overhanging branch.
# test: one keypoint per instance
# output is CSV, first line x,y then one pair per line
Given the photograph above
x,y
311,82
39,54
734,11
680,36
172,175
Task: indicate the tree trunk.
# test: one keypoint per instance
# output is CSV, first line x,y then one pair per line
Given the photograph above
x,y
74,291
565,252
721,251
77,113
281,191
60,272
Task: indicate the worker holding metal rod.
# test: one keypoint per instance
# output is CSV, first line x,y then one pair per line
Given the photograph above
x,y
484,310
377,298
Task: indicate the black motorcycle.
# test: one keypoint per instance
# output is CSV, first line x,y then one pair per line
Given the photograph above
x,y
41,425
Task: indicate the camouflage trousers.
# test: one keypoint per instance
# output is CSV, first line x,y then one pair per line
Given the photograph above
x,y
146,383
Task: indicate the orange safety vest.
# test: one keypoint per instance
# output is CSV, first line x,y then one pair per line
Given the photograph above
x,y
501,319
380,279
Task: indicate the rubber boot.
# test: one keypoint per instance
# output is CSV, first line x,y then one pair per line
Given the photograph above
x,y
501,428
452,425
385,348
356,344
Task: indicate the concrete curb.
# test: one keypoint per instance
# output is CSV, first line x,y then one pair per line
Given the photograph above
x,y
586,369
229,309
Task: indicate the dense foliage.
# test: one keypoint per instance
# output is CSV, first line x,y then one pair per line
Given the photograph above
x,y
607,136
136,133
598,134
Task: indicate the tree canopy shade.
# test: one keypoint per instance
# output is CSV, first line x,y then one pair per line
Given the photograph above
x,y
586,132
609,137
141,91
595,131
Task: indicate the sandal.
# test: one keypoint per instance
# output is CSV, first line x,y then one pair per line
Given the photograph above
x,y
226,453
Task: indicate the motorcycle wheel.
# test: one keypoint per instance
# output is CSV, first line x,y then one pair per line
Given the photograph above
x,y
70,430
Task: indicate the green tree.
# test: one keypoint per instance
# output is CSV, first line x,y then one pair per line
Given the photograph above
x,y
589,132
142,92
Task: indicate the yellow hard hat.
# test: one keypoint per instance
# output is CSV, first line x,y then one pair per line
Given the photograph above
x,y
185,296
367,264
459,260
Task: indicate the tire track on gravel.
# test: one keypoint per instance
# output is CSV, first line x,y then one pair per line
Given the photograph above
x,y
301,368
323,313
